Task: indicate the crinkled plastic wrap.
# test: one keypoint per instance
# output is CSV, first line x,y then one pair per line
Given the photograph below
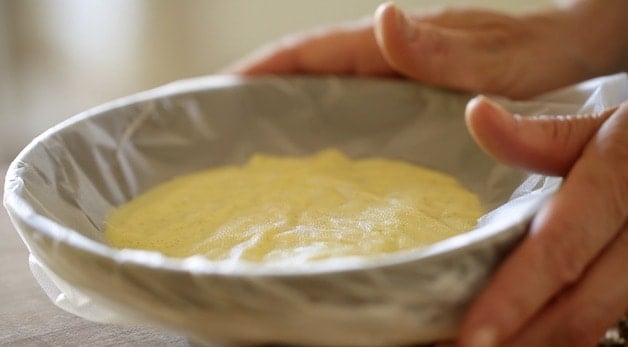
x,y
60,188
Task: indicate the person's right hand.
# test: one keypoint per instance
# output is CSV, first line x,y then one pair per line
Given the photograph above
x,y
565,282
471,50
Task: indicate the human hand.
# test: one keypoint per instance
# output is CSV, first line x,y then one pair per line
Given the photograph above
x,y
566,282
547,292
470,50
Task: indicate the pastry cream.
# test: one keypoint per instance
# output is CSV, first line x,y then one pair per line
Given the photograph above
x,y
296,209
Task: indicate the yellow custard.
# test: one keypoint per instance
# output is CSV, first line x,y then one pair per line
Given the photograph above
x,y
296,208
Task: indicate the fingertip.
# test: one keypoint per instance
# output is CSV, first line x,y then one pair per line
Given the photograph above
x,y
489,124
482,108
474,110
394,34
386,21
384,8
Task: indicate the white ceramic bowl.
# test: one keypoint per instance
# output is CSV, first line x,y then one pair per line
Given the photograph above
x,y
59,189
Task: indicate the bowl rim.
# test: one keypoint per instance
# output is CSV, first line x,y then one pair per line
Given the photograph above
x,y
20,209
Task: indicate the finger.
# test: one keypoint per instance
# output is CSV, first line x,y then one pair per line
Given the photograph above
x,y
434,54
543,144
349,49
581,316
564,237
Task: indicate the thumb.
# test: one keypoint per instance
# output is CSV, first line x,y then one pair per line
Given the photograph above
x,y
544,144
428,52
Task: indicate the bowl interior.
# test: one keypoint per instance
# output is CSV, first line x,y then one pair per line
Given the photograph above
x,y
79,170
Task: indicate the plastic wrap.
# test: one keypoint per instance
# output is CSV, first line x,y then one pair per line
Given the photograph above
x,y
60,188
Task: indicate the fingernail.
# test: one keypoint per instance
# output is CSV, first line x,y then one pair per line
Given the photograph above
x,y
403,24
485,336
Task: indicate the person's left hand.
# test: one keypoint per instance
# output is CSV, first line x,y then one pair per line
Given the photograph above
x,y
474,50
567,281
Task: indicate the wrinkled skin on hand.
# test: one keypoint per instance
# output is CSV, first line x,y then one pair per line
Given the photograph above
x,y
566,282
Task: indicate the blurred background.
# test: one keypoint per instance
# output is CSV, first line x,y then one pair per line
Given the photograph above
x,y
60,57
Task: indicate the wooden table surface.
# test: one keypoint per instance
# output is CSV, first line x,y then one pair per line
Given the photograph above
x,y
29,318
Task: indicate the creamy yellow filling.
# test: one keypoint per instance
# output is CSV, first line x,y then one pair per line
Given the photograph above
x,y
296,208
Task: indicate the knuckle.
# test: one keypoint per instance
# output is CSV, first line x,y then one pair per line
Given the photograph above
x,y
563,269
